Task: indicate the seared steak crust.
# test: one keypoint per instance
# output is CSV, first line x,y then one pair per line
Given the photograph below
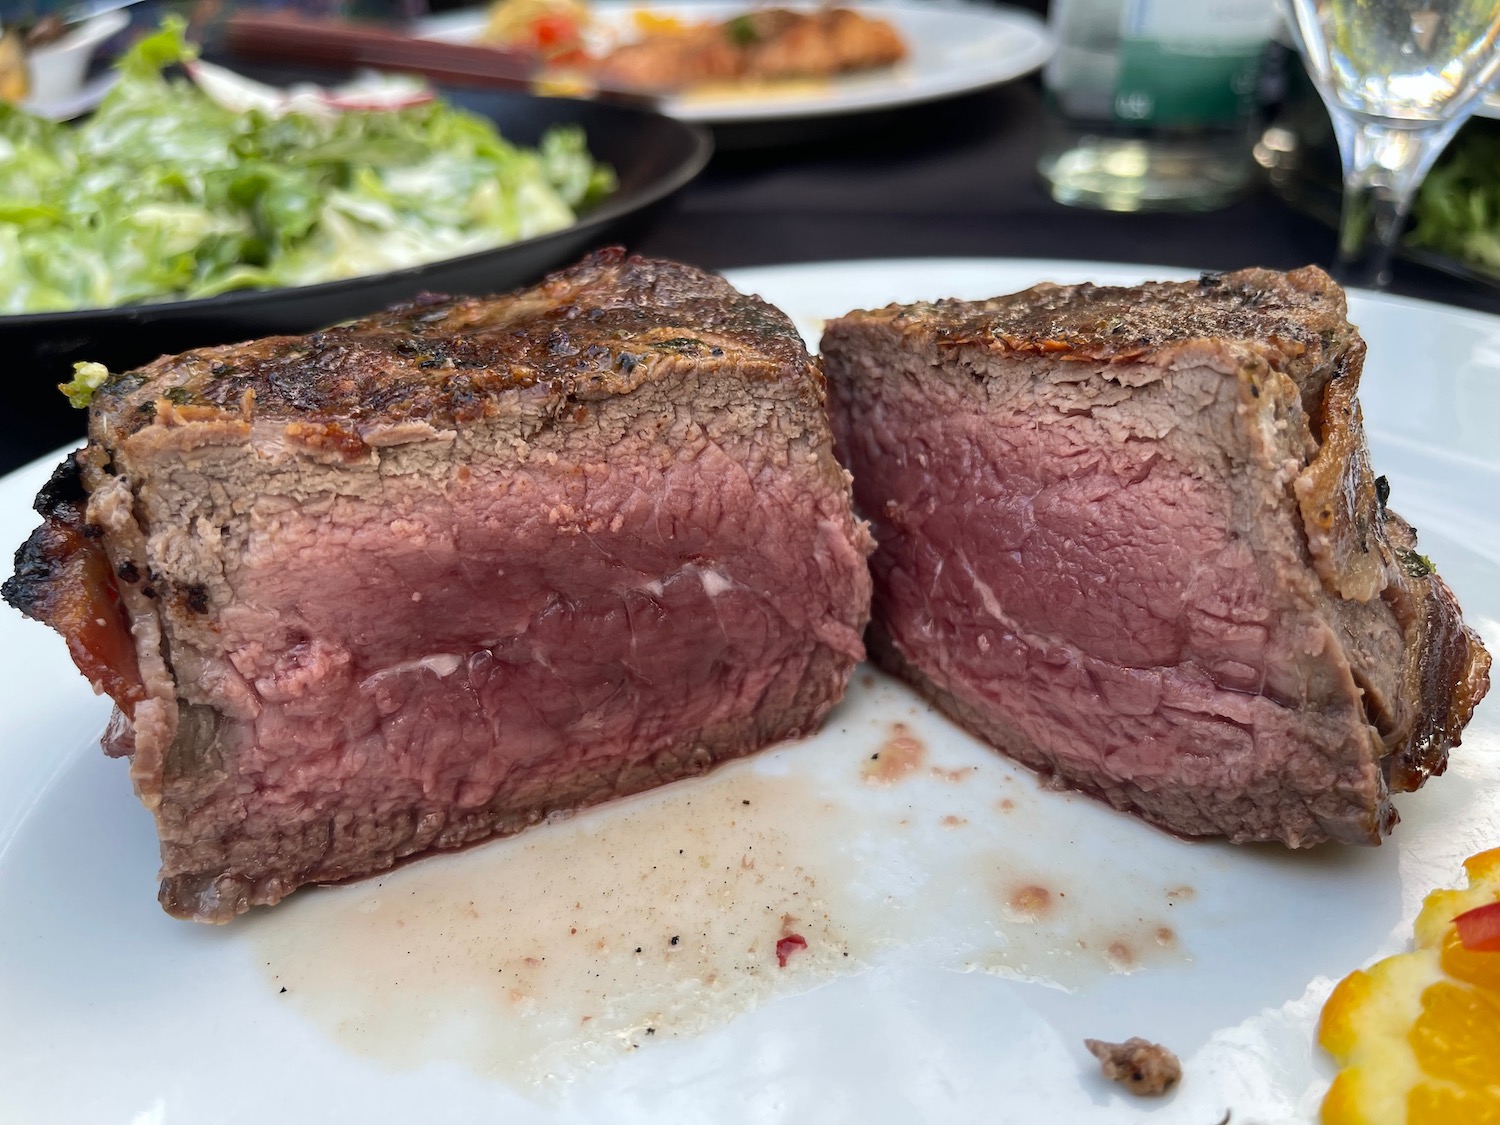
x,y
1132,538
1292,316
63,577
444,361
432,576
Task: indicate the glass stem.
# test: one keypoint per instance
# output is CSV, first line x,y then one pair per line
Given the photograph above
x,y
1385,162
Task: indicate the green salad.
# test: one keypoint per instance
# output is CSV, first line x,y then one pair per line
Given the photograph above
x,y
1457,209
164,193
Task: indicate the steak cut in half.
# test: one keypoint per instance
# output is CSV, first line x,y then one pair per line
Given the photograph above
x,y
1131,537
432,576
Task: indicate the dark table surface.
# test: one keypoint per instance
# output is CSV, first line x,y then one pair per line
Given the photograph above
x,y
958,178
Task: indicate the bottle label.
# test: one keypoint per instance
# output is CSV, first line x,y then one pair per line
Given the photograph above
x,y
1189,64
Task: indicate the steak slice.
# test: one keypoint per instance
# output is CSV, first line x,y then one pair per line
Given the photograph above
x,y
1131,538
432,576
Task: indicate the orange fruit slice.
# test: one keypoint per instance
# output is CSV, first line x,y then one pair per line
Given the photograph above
x,y
1417,1036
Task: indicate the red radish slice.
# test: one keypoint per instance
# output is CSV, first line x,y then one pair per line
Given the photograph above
x,y
1479,929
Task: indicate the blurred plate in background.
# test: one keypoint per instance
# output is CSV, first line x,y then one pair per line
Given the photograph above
x,y
954,49
58,71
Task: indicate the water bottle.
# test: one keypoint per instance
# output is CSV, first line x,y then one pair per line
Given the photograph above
x,y
1155,100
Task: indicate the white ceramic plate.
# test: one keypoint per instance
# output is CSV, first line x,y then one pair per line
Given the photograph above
x,y
954,49
86,97
990,924
58,70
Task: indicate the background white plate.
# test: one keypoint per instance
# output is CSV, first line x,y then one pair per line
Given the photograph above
x,y
58,70
111,1012
954,49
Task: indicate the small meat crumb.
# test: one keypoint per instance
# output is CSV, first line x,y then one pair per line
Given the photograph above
x,y
1142,1067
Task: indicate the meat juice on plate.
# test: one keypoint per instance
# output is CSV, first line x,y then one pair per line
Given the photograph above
x,y
667,914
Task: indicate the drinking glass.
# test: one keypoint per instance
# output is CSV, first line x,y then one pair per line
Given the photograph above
x,y
1399,77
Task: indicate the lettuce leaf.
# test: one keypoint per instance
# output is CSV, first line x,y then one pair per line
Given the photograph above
x,y
1457,209
164,194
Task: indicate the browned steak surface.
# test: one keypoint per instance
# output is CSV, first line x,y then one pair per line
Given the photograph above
x,y
1131,536
594,331
429,577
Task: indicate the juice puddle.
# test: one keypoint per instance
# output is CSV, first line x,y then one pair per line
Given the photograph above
x,y
889,836
531,956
